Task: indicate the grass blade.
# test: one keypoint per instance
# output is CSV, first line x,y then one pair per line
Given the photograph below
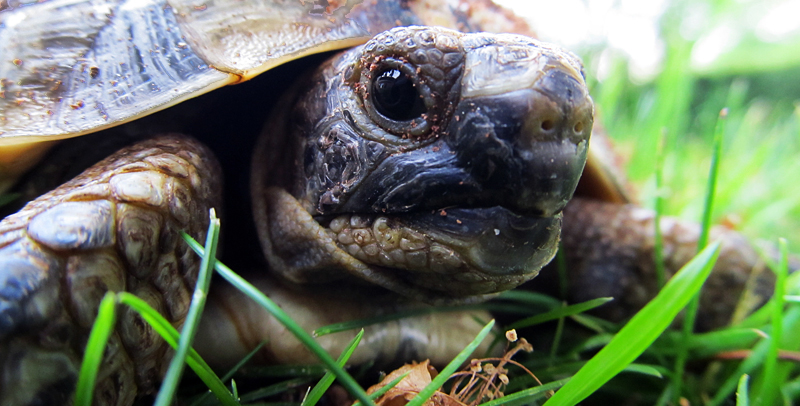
x,y
200,399
527,395
283,371
175,370
530,298
769,385
7,198
95,347
554,349
792,389
742,398
708,209
644,370
451,368
640,331
361,323
274,389
240,364
251,291
171,336
658,248
319,389
380,392
791,322
749,365
559,313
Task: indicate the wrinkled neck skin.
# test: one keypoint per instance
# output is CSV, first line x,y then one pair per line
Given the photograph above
x,y
451,197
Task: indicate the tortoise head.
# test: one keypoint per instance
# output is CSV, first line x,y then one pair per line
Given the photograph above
x,y
428,161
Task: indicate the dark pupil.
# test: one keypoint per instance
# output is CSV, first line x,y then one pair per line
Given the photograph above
x,y
395,96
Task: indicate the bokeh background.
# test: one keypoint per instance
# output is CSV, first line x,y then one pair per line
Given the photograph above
x,y
660,71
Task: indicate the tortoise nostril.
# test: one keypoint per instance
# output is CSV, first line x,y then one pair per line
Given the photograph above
x,y
548,125
578,127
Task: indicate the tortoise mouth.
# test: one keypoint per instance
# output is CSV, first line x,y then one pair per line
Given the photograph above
x,y
466,208
455,252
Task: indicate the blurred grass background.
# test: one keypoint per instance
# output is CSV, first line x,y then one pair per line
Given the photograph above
x,y
663,69
668,67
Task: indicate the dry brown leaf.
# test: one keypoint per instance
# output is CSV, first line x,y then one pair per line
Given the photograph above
x,y
420,375
481,380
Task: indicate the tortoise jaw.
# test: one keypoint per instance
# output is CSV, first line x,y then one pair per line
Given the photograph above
x,y
421,255
452,253
495,242
425,256
503,160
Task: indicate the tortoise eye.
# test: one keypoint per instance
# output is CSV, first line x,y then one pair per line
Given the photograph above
x,y
395,96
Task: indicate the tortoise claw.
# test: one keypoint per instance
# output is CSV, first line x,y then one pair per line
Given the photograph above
x,y
113,228
26,273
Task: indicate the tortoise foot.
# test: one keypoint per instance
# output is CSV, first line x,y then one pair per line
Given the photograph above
x,y
112,228
610,251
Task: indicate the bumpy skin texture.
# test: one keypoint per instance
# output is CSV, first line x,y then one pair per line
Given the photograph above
x,y
449,201
609,251
114,227
53,286
233,324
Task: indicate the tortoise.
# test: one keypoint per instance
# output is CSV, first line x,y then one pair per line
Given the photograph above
x,y
425,166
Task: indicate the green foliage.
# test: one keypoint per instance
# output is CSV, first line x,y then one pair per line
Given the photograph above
x,y
319,389
95,347
175,370
560,313
7,198
104,324
756,191
742,398
251,291
672,117
640,332
451,368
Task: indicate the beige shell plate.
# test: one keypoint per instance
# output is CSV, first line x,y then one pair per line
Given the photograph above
x,y
71,67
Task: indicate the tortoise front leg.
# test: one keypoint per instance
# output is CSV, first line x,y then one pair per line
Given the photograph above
x,y
115,228
234,324
609,250
112,228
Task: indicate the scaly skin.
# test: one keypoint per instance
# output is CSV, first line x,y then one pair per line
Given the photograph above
x,y
56,265
452,203
518,146
610,252
234,324
114,227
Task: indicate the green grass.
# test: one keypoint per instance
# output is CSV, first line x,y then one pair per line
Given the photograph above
x,y
674,118
175,370
632,342
640,347
757,192
637,335
618,355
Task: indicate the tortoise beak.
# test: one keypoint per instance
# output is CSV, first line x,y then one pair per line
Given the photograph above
x,y
469,205
517,138
522,128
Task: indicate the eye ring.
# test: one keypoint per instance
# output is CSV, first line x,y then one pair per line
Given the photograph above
x,y
395,98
